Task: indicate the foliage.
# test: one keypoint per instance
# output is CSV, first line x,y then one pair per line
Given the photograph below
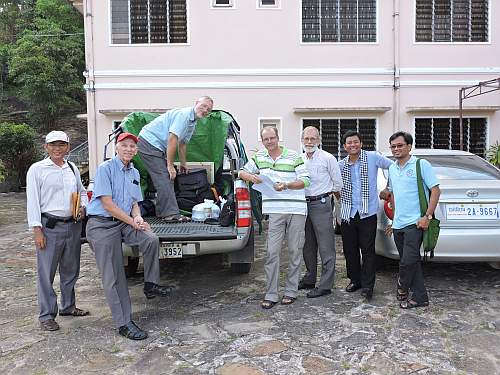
x,y
47,61
3,172
493,154
17,150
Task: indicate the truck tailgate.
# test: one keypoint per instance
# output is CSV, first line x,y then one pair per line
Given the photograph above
x,y
191,231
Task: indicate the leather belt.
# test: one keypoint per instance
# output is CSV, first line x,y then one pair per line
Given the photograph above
x,y
107,218
317,197
58,218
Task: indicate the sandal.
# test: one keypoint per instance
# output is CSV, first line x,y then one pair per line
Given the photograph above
x,y
411,304
76,312
266,304
176,219
401,295
286,300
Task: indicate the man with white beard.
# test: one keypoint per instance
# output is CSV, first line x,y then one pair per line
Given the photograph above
x,y
325,177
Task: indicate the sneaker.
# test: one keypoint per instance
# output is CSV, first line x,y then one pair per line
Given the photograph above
x,y
152,290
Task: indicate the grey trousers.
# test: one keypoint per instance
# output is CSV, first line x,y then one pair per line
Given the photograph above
x,y
293,227
319,236
155,162
62,250
105,239
408,241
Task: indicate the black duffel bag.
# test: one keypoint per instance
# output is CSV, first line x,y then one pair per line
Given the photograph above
x,y
192,188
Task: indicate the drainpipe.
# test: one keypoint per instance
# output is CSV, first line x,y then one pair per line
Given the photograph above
x,y
90,87
396,66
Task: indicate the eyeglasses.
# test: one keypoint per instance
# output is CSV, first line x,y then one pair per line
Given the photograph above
x,y
399,145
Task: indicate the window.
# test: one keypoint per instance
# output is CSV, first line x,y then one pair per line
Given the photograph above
x,y
268,3
339,21
148,21
451,21
274,122
222,3
444,133
332,130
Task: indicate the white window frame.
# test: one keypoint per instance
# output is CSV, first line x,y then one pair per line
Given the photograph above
x,y
487,125
277,122
376,118
377,31
445,43
214,5
277,5
129,44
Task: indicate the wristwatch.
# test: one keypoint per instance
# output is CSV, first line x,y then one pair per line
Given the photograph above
x,y
429,217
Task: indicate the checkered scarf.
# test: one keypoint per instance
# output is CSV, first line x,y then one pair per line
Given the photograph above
x,y
346,192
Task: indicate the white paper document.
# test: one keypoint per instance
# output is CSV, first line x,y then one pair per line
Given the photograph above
x,y
266,188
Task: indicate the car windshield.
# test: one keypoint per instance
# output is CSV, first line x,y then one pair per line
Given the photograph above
x,y
462,167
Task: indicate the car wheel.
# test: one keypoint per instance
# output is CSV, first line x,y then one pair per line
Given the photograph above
x,y
495,265
131,267
241,268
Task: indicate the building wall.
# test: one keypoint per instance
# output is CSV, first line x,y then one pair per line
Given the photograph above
x,y
254,65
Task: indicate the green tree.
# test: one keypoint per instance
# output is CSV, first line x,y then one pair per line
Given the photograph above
x,y
47,62
18,151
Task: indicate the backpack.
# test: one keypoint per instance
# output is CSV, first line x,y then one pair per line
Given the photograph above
x,y
228,212
192,188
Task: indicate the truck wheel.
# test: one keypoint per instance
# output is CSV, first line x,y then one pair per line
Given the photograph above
x,y
131,267
241,268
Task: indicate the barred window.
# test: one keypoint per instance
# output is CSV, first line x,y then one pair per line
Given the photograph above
x,y
332,130
339,21
148,21
451,21
444,133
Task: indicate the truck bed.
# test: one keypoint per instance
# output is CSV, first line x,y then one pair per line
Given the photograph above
x,y
191,231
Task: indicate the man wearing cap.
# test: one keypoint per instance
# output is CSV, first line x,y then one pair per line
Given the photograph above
x,y
50,184
325,177
158,143
114,216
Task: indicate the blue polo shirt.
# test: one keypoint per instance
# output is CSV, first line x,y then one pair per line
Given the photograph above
x,y
121,183
180,122
403,183
375,161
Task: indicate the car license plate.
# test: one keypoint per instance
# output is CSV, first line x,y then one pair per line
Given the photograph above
x,y
472,211
170,250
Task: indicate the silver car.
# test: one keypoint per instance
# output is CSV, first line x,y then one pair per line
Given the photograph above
x,y
468,209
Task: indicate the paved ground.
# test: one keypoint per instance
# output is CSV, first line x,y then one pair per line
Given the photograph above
x,y
213,324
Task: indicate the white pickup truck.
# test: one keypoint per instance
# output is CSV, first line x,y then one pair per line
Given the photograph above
x,y
180,240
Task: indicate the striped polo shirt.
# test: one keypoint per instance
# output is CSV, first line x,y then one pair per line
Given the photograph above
x,y
288,167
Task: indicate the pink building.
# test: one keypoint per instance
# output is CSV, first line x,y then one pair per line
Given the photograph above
x,y
373,65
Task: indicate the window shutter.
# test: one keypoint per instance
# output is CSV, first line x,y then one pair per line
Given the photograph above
x,y
479,20
158,21
178,21
310,21
119,22
139,21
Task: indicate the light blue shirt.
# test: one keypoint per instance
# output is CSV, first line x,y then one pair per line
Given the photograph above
x,y
375,161
403,183
121,183
180,122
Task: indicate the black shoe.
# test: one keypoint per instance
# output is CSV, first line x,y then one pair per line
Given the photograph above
x,y
49,325
352,287
367,293
132,332
152,290
318,293
304,285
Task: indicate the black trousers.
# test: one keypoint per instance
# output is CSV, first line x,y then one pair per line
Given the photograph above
x,y
408,241
358,238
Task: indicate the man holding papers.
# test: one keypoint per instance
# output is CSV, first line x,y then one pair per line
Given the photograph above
x,y
54,190
285,203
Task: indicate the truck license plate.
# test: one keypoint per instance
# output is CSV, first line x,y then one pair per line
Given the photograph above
x,y
170,250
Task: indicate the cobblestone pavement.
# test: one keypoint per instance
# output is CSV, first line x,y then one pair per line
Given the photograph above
x,y
213,324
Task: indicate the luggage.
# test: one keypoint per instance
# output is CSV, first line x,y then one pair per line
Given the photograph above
x,y
192,188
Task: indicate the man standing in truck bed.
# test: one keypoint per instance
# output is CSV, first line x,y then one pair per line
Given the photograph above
x,y
158,141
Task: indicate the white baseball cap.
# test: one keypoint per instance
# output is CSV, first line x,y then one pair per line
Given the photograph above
x,y
56,135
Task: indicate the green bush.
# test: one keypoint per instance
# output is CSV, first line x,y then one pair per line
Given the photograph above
x,y
18,150
493,154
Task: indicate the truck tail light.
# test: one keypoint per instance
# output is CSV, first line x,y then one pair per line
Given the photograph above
x,y
243,207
